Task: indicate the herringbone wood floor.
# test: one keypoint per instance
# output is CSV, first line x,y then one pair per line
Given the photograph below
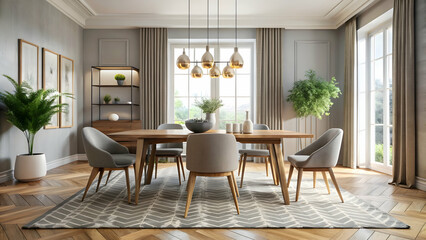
x,y
22,202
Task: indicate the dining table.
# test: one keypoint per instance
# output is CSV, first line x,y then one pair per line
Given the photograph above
x,y
145,138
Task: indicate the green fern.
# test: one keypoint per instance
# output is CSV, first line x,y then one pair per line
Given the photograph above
x,y
31,110
312,96
209,105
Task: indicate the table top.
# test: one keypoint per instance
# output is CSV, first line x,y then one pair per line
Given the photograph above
x,y
183,134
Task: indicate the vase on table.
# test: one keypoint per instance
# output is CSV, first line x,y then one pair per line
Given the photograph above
x,y
248,124
211,117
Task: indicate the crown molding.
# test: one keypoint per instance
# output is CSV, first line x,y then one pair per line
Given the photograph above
x,y
80,12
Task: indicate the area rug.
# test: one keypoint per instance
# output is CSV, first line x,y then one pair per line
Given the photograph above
x,y
162,205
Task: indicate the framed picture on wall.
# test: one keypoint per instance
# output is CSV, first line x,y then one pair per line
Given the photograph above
x,y
28,63
51,79
66,85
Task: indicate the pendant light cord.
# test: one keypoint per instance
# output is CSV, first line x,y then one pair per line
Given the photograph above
x,y
208,16
236,34
218,44
189,27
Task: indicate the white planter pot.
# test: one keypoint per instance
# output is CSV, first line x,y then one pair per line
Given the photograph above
x,y
30,167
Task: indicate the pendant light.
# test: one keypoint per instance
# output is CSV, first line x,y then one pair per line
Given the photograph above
x,y
197,72
207,60
215,71
228,72
183,62
236,61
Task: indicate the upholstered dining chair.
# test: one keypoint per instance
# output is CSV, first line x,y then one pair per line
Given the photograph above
x,y
262,153
211,155
103,154
170,150
320,156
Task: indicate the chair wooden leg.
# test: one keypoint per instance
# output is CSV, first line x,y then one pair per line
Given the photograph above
x,y
109,174
134,169
266,165
290,173
333,178
156,167
90,181
272,170
234,194
243,170
126,170
235,184
326,181
178,169
315,177
190,189
241,163
101,173
299,182
181,166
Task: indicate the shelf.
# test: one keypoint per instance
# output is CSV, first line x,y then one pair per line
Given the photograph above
x,y
115,68
116,104
119,86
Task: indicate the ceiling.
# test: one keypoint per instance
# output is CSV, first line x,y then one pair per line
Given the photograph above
x,y
289,14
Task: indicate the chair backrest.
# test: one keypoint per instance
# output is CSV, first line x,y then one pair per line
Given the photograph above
x,y
260,127
324,152
99,148
170,126
211,153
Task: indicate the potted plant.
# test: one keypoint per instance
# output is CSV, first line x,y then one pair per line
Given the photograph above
x,y
120,78
30,110
107,99
313,95
116,100
209,107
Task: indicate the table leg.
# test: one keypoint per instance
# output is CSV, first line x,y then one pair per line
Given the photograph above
x,y
148,175
273,160
141,149
283,181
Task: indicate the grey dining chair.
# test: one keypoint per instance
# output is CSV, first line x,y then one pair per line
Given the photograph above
x,y
262,153
170,150
103,154
211,155
321,156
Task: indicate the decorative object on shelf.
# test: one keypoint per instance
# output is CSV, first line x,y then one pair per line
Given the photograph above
x,y
51,80
66,85
312,96
207,60
198,125
120,78
248,124
236,128
113,117
116,100
107,99
28,63
209,107
229,128
29,110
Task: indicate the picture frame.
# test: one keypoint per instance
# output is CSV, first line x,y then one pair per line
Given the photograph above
x,y
66,85
50,69
28,63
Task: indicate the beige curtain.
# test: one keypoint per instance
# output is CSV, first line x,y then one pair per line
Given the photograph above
x,y
403,88
154,76
269,82
349,95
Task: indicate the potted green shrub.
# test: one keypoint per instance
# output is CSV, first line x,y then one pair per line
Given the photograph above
x,y
120,78
312,96
209,107
30,110
116,100
107,98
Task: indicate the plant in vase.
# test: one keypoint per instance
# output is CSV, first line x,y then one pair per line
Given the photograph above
x,y
209,107
120,78
116,100
107,99
30,110
313,95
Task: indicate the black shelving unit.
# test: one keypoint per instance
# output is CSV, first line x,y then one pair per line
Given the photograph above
x,y
96,85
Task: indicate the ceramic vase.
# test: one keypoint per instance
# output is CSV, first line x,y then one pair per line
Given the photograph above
x,y
248,124
211,117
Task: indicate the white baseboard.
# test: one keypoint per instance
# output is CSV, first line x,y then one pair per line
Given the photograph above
x,y
7,175
421,183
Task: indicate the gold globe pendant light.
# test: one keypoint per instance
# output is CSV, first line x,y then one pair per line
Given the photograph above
x,y
228,72
207,60
197,72
215,71
236,61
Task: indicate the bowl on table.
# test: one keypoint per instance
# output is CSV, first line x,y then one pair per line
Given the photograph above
x,y
198,126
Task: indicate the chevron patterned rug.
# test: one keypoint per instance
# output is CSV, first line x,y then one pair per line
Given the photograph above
x,y
162,205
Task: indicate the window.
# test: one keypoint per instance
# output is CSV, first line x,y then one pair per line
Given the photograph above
x,y
236,93
375,97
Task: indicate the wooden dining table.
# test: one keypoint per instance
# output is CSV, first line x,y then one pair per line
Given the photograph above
x,y
144,138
